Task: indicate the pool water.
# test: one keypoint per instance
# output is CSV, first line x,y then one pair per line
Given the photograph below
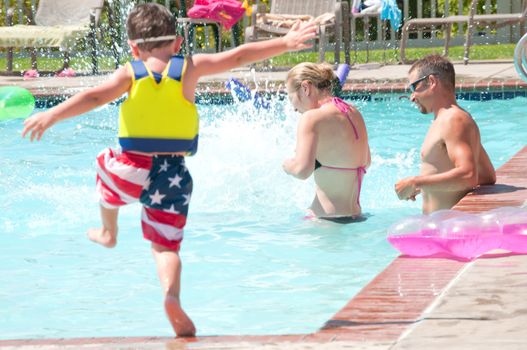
x,y
251,264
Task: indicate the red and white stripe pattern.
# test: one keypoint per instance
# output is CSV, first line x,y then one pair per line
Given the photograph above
x,y
121,177
162,227
121,180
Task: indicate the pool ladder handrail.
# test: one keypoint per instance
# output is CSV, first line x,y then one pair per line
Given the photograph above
x,y
520,57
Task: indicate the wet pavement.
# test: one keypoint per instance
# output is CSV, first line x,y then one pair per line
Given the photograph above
x,y
480,73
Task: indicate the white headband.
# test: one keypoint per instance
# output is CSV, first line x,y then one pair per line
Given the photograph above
x,y
157,38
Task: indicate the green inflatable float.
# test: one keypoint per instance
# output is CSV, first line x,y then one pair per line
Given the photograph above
x,y
15,102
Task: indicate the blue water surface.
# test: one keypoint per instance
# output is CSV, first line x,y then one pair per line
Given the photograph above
x,y
251,264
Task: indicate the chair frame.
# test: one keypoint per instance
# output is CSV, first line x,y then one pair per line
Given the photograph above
x,y
92,39
188,25
472,20
495,21
341,29
366,16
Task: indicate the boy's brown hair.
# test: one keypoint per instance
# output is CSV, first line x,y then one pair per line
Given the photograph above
x,y
150,20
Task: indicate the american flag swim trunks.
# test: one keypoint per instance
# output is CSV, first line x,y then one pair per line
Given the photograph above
x,y
161,183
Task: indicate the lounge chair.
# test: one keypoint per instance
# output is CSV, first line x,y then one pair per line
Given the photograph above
x,y
473,19
56,24
332,15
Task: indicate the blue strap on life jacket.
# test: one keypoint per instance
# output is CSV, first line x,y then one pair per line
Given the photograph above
x,y
139,69
175,70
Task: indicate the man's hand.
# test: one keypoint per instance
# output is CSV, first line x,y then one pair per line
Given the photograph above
x,y
37,124
300,32
406,189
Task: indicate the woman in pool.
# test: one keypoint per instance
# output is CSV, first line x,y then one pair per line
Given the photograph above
x,y
332,143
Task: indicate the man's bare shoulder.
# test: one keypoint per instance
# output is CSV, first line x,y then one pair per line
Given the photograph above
x,y
453,113
455,120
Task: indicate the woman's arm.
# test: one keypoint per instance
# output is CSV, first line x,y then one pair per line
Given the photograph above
x,y
303,164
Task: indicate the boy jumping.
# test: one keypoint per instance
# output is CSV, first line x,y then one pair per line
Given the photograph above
x,y
158,127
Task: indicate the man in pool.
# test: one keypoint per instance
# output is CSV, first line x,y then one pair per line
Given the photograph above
x,y
453,160
158,127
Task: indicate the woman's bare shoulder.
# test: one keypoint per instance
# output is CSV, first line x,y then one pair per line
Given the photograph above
x,y
316,115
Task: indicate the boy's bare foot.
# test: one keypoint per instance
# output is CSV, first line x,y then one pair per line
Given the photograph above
x,y
103,236
181,323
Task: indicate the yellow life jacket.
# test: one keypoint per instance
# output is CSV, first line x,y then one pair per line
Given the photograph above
x,y
156,117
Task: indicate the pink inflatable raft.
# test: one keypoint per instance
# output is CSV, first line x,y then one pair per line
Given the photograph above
x,y
462,235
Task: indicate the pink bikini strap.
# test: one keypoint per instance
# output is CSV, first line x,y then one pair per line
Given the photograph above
x,y
345,109
360,174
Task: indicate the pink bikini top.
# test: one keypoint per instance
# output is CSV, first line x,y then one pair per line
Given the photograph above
x,y
361,170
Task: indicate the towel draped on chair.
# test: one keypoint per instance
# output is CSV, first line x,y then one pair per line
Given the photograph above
x,y
226,12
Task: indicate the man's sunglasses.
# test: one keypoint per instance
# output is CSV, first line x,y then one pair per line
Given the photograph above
x,y
413,85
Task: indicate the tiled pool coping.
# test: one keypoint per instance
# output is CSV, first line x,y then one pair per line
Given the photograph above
x,y
479,91
376,91
382,311
377,87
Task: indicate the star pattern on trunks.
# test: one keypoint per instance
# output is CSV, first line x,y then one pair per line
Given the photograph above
x,y
169,185
147,183
187,199
173,210
163,167
175,181
157,197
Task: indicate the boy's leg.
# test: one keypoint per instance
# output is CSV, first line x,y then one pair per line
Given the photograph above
x,y
107,234
121,178
169,271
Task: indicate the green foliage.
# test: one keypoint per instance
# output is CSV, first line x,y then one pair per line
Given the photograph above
x,y
453,9
453,6
477,52
53,64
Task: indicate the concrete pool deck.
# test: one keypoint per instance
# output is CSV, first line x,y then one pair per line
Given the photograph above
x,y
414,303
370,78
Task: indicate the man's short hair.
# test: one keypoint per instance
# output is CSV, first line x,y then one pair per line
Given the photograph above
x,y
150,20
436,65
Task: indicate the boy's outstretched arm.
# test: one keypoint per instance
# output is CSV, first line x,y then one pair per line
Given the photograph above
x,y
294,40
83,102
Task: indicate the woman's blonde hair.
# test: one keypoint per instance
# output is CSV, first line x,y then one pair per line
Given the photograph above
x,y
321,75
